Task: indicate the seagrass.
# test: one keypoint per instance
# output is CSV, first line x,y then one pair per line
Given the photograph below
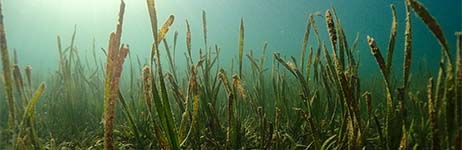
x,y
391,43
8,81
115,59
323,99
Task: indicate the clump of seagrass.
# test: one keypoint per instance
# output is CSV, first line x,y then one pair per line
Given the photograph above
x,y
8,81
353,126
149,98
390,125
28,120
323,112
115,59
193,91
449,95
233,129
159,92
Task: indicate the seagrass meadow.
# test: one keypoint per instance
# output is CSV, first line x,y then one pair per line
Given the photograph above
x,y
340,88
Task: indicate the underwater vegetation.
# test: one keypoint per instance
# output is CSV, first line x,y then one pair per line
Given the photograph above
x,y
316,101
